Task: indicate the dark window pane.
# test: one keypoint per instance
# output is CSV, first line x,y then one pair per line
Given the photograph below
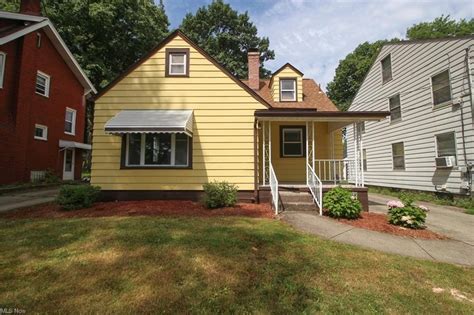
x,y
441,88
39,132
158,149
386,69
134,144
293,149
181,150
292,135
288,95
395,114
399,162
442,95
288,85
68,126
446,144
398,153
68,162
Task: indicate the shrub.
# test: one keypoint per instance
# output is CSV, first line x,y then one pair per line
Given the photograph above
x,y
219,194
409,215
50,177
341,204
73,197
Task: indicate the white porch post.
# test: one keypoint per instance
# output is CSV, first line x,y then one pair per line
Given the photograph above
x,y
356,154
361,152
313,158
264,153
307,154
269,144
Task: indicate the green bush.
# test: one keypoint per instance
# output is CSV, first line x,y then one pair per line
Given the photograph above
x,y
410,215
340,203
72,197
219,194
50,177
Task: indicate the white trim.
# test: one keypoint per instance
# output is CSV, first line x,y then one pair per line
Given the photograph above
x,y
177,63
19,16
47,84
283,142
73,122
283,90
23,32
45,132
2,68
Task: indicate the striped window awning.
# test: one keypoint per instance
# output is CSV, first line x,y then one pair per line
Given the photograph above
x,y
151,121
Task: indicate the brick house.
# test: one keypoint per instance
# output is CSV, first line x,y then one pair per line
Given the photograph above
x,y
43,94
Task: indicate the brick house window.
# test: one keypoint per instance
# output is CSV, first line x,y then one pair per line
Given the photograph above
x,y
70,121
43,82
41,132
3,59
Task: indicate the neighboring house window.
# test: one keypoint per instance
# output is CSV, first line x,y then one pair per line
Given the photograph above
x,y
364,159
395,108
158,149
386,69
362,127
3,60
441,88
43,82
292,141
177,62
398,156
446,145
70,121
287,90
41,132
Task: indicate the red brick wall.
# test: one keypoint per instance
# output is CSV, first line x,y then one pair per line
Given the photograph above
x,y
20,152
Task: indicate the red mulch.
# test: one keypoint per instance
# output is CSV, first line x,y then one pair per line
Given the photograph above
x,y
379,222
142,207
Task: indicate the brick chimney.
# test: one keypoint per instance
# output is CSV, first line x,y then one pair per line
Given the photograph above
x,y
31,7
254,68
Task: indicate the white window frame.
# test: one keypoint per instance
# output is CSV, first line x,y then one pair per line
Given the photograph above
x,y
455,144
2,68
283,142
142,154
73,125
400,106
45,132
287,90
440,105
404,157
184,63
47,83
391,68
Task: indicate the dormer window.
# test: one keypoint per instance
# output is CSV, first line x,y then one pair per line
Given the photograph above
x,y
177,62
386,69
287,90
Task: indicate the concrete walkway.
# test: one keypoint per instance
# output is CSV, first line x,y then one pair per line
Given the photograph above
x,y
27,199
456,225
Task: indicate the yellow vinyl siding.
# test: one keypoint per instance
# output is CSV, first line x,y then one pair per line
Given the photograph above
x,y
287,72
293,169
223,125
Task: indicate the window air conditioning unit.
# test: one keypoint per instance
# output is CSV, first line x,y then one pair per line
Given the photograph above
x,y
445,161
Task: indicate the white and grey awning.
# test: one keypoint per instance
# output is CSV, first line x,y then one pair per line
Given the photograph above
x,y
74,145
151,121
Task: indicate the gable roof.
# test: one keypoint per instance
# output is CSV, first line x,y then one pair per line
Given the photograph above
x,y
161,45
34,23
313,97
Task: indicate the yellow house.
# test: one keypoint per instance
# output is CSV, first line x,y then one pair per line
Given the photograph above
x,y
177,119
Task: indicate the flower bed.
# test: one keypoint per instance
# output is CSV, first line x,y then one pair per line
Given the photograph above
x,y
379,222
143,207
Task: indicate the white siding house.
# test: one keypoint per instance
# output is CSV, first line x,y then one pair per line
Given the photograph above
x,y
428,88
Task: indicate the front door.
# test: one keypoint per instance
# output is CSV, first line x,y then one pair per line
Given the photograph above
x,y
68,170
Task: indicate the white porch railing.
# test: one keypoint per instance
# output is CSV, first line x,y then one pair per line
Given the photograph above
x,y
339,171
273,187
315,187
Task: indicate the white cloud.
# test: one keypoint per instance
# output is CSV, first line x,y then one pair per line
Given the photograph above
x,y
315,35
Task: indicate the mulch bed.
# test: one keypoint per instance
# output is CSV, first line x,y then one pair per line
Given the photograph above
x,y
379,222
142,207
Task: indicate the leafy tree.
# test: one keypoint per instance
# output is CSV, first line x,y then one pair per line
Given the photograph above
x,y
441,27
105,36
227,35
352,70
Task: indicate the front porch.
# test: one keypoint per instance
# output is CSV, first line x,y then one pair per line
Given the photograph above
x,y
303,150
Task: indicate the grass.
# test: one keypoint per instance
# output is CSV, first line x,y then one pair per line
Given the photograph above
x,y
449,200
212,265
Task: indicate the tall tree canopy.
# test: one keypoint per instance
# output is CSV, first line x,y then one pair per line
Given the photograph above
x,y
105,36
227,35
352,70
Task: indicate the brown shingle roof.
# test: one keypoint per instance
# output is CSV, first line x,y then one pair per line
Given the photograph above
x,y
313,97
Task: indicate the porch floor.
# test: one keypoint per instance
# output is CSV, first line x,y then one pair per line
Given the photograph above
x,y
299,185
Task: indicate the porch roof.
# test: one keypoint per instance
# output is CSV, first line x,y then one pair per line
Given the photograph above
x,y
314,115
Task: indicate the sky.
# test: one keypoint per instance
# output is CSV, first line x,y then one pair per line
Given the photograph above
x,y
314,35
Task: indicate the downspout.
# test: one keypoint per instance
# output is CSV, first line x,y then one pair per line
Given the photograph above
x,y
468,164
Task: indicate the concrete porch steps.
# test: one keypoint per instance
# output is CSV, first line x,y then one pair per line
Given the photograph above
x,y
297,200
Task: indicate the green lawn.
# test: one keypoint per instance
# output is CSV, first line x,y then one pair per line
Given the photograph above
x,y
211,265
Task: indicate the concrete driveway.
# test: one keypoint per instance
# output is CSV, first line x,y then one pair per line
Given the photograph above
x,y
18,200
454,224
